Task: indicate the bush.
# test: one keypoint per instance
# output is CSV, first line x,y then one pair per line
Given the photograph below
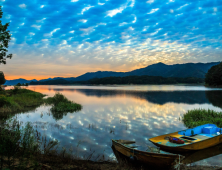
x,y
61,105
15,90
199,117
18,99
4,101
56,99
21,144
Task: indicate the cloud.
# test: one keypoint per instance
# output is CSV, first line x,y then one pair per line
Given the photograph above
x,y
152,30
22,6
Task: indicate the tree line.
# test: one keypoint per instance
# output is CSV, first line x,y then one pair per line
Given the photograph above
x,y
126,80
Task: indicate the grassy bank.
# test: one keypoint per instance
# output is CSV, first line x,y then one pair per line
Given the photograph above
x,y
20,100
198,117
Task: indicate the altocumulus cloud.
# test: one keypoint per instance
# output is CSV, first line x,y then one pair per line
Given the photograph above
x,y
111,34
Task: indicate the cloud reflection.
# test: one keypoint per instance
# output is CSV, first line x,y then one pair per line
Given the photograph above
x,y
117,115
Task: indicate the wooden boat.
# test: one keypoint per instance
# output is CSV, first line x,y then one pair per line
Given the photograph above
x,y
197,138
151,156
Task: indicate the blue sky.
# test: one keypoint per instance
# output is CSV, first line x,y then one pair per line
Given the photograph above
x,y
71,37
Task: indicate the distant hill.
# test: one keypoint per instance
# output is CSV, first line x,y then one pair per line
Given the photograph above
x,y
197,70
16,81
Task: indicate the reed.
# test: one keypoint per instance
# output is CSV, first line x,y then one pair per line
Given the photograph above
x,y
20,145
197,117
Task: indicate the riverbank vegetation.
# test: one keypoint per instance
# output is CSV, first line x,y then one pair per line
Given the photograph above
x,y
19,100
61,106
199,117
125,80
26,148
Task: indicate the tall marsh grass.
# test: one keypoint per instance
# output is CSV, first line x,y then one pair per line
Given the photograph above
x,y
199,117
19,146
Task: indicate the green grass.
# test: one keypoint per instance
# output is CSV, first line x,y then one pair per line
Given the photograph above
x,y
199,117
18,100
61,104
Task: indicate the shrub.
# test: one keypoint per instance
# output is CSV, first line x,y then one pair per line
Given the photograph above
x,y
56,99
61,105
4,101
199,117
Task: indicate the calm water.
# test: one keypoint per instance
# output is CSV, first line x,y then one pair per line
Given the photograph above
x,y
127,112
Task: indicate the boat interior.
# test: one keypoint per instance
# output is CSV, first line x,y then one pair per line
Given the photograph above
x,y
189,136
145,148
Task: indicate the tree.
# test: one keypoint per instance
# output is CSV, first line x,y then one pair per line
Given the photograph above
x,y
5,37
2,78
214,76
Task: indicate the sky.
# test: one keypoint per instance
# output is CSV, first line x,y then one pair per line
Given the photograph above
x,y
67,38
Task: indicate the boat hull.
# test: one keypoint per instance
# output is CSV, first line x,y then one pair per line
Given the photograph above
x,y
149,158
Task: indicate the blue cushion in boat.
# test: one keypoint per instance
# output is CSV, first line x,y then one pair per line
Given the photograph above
x,y
209,130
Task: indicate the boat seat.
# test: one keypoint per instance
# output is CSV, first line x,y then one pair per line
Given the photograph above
x,y
201,137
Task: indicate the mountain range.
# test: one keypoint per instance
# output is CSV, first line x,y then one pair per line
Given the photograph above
x,y
197,70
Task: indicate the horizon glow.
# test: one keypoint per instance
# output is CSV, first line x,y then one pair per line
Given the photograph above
x,y
54,38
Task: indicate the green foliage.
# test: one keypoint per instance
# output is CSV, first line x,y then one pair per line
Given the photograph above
x,y
5,37
21,143
56,99
15,90
18,99
61,105
214,76
4,101
199,117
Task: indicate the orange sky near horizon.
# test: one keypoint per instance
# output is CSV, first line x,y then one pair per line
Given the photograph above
x,y
40,77
12,71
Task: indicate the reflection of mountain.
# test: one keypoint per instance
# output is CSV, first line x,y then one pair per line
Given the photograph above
x,y
189,97
215,97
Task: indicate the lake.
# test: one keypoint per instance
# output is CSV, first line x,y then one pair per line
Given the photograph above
x,y
120,112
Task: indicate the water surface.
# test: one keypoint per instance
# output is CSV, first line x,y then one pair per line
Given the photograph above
x,y
120,112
